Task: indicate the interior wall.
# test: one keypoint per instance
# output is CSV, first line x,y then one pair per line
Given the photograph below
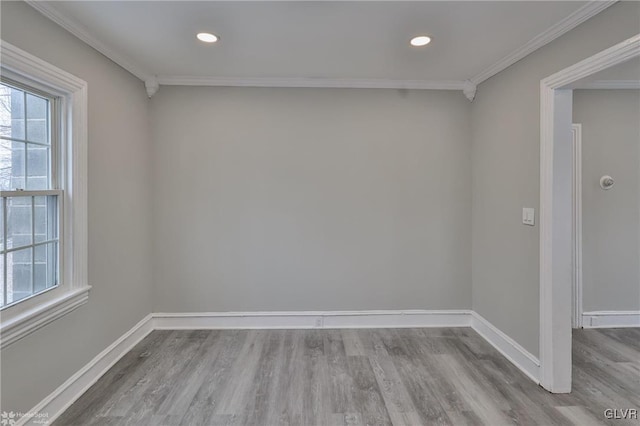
x,y
506,173
119,209
610,219
310,199
298,199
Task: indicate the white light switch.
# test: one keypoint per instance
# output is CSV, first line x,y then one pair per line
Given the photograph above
x,y
528,216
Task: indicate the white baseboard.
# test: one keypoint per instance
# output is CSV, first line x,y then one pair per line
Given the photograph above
x,y
311,319
60,399
610,319
509,348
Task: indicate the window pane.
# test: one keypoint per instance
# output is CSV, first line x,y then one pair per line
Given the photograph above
x,y
17,165
1,229
5,165
19,271
53,262
37,167
2,301
45,267
5,111
37,111
18,221
26,150
16,107
12,164
24,116
45,218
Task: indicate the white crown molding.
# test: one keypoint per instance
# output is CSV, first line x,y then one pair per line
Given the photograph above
x,y
469,89
152,86
567,24
49,10
611,84
304,82
83,33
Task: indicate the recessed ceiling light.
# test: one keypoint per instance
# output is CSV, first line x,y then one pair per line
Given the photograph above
x,y
207,37
420,41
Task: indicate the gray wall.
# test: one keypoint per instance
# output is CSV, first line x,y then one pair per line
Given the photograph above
x,y
310,199
119,211
296,199
610,219
506,173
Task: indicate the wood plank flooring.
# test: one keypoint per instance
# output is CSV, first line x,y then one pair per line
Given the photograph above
x,y
353,377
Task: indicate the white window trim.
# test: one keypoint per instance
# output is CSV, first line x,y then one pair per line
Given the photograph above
x,y
73,291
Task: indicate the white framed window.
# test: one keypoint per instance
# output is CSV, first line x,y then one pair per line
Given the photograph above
x,y
30,195
43,195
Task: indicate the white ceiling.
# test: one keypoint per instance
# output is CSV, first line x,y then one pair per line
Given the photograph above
x,y
317,39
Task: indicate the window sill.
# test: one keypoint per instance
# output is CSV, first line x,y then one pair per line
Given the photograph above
x,y
31,320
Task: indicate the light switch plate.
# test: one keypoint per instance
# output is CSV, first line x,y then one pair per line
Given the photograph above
x,y
529,216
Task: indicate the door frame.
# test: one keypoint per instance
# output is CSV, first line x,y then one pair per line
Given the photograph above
x,y
556,211
576,189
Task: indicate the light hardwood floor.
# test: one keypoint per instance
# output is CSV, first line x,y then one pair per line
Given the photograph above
x,y
353,377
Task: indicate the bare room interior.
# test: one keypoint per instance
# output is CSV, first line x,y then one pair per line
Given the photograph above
x,y
319,213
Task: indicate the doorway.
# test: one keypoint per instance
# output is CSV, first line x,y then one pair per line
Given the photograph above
x,y
556,254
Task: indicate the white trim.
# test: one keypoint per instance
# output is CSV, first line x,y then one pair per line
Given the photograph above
x,y
469,90
310,319
586,12
611,84
611,319
577,224
73,147
509,348
555,212
19,61
83,33
62,398
65,395
303,82
621,52
42,314
151,85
